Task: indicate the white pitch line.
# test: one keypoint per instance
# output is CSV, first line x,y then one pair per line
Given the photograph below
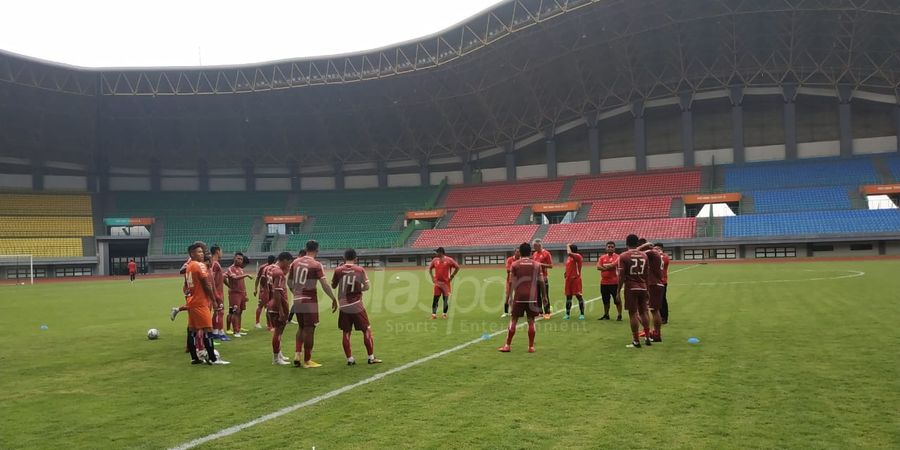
x,y
289,409
850,274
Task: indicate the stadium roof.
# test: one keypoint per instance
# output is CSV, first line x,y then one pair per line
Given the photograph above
x,y
522,69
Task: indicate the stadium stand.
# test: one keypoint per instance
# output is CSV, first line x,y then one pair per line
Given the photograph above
x,y
826,172
519,193
486,216
45,225
670,228
43,247
231,232
802,199
813,222
630,208
636,185
893,164
44,204
358,218
475,236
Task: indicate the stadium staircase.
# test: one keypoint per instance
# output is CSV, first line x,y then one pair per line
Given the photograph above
x,y
582,214
257,234
541,232
710,179
883,170
710,227
443,222
525,216
566,189
857,199
747,205
677,207
157,237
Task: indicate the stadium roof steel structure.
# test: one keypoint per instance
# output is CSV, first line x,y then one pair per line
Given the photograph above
x,y
518,70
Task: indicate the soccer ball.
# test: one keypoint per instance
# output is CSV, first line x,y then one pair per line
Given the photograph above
x,y
152,334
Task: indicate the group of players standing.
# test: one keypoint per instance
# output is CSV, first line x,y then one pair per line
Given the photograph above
x,y
204,282
641,272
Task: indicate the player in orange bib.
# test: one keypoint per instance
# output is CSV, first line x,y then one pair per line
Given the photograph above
x,y
200,295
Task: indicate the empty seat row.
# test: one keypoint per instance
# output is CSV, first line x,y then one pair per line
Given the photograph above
x,y
637,185
523,192
43,247
45,204
630,208
476,236
800,199
485,216
46,226
825,172
617,230
813,222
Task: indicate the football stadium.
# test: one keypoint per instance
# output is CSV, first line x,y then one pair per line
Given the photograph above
x,y
678,218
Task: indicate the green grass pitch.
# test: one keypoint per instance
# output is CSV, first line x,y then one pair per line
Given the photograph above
x,y
792,355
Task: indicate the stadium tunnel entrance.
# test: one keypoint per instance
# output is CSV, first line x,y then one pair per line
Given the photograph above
x,y
113,255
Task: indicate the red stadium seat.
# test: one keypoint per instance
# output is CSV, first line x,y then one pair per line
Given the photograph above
x,y
678,228
650,184
520,193
475,236
484,216
631,208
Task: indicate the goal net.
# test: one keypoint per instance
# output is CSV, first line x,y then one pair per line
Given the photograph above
x,y
18,269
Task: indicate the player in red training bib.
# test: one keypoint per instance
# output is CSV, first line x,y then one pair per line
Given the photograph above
x,y
664,308
132,270
654,289
278,307
524,294
573,286
509,262
632,271
351,281
217,276
439,269
545,259
261,290
237,291
609,280
305,274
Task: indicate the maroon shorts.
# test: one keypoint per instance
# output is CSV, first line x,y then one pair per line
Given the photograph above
x,y
573,286
636,301
263,300
441,288
520,309
237,299
348,321
307,313
655,292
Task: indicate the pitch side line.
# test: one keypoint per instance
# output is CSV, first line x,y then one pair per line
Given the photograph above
x,y
850,274
289,409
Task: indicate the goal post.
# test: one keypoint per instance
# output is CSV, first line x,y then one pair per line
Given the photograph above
x,y
17,267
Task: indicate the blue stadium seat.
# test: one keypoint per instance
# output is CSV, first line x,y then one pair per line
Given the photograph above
x,y
802,199
823,172
894,164
813,222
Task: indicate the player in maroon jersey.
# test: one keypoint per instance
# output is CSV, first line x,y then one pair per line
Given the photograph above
x,y
664,308
609,280
654,288
545,259
237,291
262,294
290,319
217,276
132,270
509,262
632,272
524,294
441,276
277,308
305,273
574,261
351,281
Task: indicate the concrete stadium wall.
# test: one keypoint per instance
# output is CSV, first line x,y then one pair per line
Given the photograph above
x,y
15,181
317,183
404,179
65,183
124,183
361,181
179,183
227,184
273,184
